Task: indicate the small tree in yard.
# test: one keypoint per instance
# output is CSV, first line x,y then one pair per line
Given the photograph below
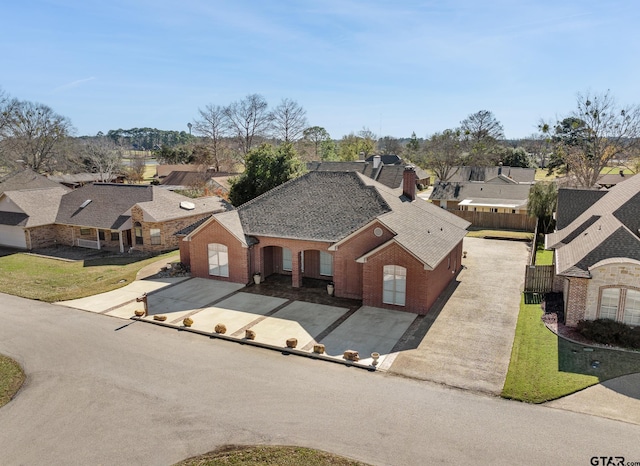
x,y
266,168
542,202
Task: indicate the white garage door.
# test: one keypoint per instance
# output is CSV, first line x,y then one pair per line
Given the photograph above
x,y
12,236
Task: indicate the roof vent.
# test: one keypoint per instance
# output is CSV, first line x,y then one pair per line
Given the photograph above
x,y
186,205
85,203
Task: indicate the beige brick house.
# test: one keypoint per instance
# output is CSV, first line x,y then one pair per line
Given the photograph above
x,y
373,242
110,216
597,253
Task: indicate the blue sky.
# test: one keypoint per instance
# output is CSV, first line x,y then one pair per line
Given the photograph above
x,y
391,66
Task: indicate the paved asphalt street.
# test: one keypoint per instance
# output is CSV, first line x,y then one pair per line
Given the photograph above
x,y
101,390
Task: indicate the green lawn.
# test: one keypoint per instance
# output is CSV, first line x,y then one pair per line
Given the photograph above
x,y
269,456
544,257
544,367
52,280
11,378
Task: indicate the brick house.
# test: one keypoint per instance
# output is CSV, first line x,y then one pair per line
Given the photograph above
x,y
374,243
597,253
110,216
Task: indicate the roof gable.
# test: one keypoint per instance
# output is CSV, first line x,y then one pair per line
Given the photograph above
x,y
607,229
40,206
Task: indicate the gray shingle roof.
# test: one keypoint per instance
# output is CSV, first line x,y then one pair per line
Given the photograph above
x,y
40,206
25,178
320,205
388,175
572,202
606,230
329,206
517,174
518,193
111,204
184,178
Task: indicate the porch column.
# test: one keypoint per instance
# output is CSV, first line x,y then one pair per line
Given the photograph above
x,y
296,273
121,242
98,237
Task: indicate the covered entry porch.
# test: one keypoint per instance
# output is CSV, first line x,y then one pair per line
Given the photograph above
x,y
302,267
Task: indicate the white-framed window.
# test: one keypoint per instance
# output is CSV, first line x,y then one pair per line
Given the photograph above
x,y
287,264
631,314
609,303
326,264
155,236
218,260
394,285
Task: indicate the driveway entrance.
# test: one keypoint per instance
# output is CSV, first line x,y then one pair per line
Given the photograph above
x,y
467,343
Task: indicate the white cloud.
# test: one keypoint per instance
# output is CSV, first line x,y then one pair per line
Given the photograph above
x,y
73,84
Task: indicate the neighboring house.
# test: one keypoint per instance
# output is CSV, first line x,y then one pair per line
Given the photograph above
x,y
488,197
388,175
122,216
497,174
177,180
77,180
26,216
100,216
25,178
508,198
186,179
162,171
611,179
597,253
375,243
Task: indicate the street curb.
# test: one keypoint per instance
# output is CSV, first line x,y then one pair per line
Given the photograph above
x,y
243,341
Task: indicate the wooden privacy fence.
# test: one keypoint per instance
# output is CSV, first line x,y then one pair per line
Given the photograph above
x,y
498,221
539,278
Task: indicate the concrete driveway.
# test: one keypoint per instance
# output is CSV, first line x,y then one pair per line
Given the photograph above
x,y
466,342
274,320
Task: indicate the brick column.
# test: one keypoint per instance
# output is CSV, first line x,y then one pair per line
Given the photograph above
x,y
577,301
296,274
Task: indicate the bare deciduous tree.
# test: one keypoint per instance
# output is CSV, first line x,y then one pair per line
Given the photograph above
x,y
101,156
289,120
482,131
443,153
33,132
602,132
213,125
248,118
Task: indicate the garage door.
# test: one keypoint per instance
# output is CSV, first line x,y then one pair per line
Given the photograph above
x,y
12,236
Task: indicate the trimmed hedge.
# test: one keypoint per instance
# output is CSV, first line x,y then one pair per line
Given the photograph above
x,y
610,332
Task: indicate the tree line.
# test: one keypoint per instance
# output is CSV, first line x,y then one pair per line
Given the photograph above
x,y
596,134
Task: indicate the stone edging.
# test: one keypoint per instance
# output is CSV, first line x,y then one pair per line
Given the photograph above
x,y
242,341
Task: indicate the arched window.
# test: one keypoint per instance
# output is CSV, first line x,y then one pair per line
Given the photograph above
x,y
631,314
609,303
137,228
218,260
394,285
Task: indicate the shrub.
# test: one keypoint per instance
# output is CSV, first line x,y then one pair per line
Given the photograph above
x,y
610,332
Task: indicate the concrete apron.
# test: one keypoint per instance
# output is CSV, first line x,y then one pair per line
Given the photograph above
x,y
274,320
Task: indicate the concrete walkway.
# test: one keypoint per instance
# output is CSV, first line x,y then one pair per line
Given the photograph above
x,y
467,342
273,319
617,398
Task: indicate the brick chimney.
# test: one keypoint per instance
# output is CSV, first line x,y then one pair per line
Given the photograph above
x,y
409,179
